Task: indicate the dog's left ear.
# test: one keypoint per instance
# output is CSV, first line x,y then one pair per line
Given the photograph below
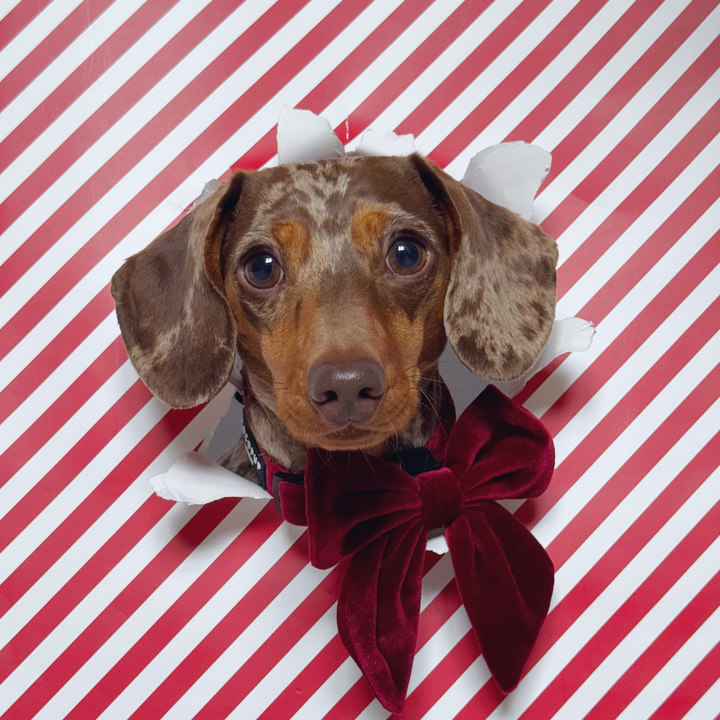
x,y
500,302
177,325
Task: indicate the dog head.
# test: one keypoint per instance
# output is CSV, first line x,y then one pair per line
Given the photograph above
x,y
338,283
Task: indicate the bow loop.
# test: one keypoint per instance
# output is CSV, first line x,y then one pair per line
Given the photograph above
x,y
499,450
505,579
441,497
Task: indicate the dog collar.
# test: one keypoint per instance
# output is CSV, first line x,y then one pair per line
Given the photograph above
x,y
288,489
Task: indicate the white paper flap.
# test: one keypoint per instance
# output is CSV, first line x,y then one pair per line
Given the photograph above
x,y
509,174
302,135
195,480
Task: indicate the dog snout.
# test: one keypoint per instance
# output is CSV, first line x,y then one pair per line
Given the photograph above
x,y
346,392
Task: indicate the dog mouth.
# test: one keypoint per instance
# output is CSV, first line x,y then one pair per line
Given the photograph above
x,y
350,433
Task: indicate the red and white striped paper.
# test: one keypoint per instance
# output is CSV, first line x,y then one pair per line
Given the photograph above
x,y
117,604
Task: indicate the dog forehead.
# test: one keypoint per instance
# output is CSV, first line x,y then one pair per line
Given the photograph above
x,y
335,199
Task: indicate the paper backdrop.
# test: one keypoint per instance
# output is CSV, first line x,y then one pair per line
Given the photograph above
x,y
117,604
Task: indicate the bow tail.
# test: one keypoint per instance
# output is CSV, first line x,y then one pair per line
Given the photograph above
x,y
379,609
505,579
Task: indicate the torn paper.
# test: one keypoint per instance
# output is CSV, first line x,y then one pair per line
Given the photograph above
x,y
195,480
508,174
302,135
385,144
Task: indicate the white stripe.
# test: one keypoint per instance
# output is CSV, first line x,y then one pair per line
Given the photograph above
x,y
57,382
706,707
440,69
103,529
68,61
629,178
459,694
437,647
643,229
612,598
95,472
616,321
107,590
633,505
107,85
52,452
676,670
246,645
390,59
505,63
134,120
265,692
570,437
33,33
347,674
168,593
597,86
644,98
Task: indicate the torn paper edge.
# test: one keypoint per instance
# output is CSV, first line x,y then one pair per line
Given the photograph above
x,y
304,136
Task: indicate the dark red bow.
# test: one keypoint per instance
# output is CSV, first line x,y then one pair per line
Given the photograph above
x,y
374,512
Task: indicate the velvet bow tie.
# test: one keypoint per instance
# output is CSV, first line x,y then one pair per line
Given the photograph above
x,y
377,514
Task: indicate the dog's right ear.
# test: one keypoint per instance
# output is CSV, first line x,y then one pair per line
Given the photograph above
x,y
175,320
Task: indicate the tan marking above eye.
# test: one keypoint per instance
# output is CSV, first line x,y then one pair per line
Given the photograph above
x,y
293,237
368,226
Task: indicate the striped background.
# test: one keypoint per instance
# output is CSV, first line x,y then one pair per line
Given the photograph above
x,y
116,604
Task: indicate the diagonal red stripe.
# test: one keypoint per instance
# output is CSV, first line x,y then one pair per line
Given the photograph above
x,y
474,65
407,72
103,119
691,689
62,410
632,541
88,511
630,84
18,18
50,358
651,187
622,622
72,464
624,89
195,597
660,373
52,45
148,138
540,57
129,599
658,653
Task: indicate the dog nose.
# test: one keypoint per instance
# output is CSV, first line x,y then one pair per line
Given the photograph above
x,y
347,391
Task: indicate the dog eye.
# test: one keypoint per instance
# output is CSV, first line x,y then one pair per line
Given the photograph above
x,y
406,256
262,270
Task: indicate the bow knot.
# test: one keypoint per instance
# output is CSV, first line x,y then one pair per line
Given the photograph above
x,y
377,514
441,497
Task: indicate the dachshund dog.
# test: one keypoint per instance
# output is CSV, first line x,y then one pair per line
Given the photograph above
x,y
337,284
